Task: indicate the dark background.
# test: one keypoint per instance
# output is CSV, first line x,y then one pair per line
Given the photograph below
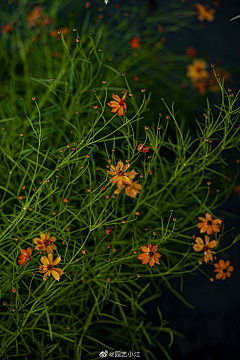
x,y
212,329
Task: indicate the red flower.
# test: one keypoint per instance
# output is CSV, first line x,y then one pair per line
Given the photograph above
x,y
191,52
143,149
7,28
25,256
135,42
109,230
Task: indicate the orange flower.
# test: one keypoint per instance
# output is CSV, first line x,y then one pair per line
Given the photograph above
x,y
120,177
45,243
208,224
54,33
119,105
25,256
197,70
199,246
143,149
191,52
35,17
135,42
48,267
131,190
213,84
205,12
223,269
150,255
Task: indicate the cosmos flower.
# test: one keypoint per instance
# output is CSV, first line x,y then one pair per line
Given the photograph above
x,y
223,269
150,255
49,267
45,243
121,178
199,246
208,224
205,12
118,105
135,42
25,256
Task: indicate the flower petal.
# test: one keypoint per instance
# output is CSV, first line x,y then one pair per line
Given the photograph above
x,y
154,248
29,251
219,275
58,259
151,262
208,216
114,104
44,260
144,249
116,97
145,260
212,244
143,256
50,258
56,275
120,111
120,165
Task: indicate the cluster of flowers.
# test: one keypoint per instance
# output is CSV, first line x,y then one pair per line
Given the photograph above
x,y
124,179
201,79
210,226
45,243
222,268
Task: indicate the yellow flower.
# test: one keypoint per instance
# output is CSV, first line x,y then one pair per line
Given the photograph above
x,y
197,70
120,176
199,246
45,243
205,12
48,267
